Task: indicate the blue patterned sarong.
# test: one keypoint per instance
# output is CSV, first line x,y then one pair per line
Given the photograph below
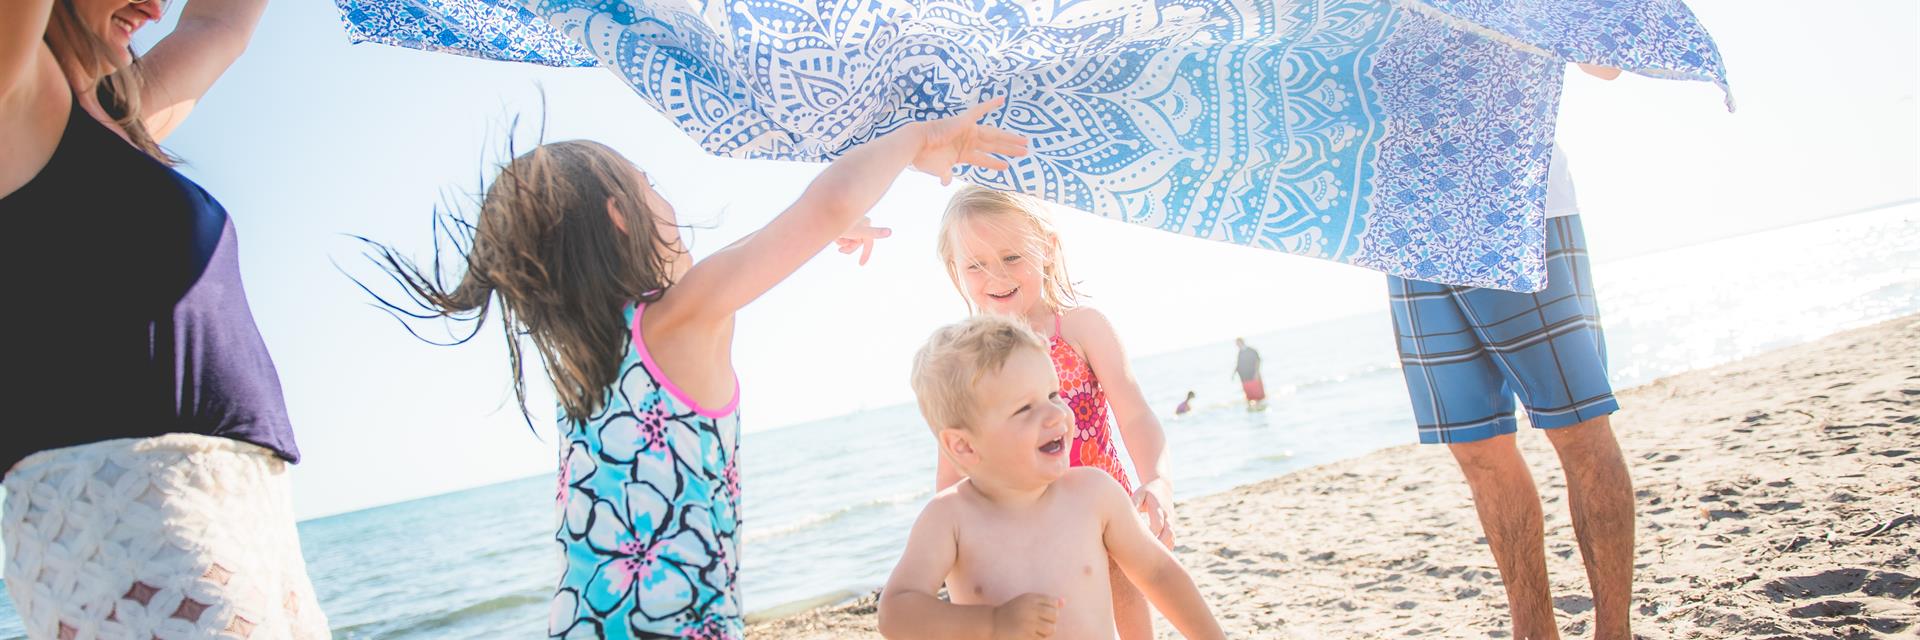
x,y
1407,136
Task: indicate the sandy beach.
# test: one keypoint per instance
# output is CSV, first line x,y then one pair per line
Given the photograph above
x,y
1779,497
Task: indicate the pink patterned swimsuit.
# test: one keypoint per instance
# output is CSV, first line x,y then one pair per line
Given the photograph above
x,y
1092,433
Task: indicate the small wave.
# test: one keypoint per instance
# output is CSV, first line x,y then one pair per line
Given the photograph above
x,y
820,519
1338,378
432,622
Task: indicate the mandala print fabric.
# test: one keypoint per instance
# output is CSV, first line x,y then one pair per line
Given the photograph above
x,y
1402,136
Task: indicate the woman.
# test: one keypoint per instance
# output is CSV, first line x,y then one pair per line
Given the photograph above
x,y
146,453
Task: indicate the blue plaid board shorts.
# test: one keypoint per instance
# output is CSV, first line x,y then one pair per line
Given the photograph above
x,y
1467,352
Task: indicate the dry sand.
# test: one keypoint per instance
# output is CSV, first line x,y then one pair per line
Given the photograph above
x,y
1779,497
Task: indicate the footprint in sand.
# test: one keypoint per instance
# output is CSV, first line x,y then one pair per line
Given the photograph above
x,y
1878,614
1885,584
1573,604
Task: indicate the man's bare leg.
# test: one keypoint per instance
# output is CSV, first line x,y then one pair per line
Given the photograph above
x,y
1600,494
1509,506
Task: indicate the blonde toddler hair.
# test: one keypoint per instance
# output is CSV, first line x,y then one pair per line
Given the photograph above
x,y
949,367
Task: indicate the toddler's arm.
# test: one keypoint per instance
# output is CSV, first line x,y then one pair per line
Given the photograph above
x,y
910,608
1151,566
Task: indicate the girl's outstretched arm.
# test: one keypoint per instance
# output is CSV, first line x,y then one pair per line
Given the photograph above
x,y
732,277
1139,427
181,67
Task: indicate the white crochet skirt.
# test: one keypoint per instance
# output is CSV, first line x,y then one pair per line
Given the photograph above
x,y
174,537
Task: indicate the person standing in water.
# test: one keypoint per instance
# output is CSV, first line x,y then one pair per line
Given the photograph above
x,y
1248,370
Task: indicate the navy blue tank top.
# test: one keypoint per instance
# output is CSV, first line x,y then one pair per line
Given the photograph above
x,y
124,315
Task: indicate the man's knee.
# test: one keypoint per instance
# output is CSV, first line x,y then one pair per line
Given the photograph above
x,y
1588,450
1489,458
1587,433
1589,442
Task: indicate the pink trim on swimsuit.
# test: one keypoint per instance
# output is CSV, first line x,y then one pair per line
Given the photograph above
x,y
646,359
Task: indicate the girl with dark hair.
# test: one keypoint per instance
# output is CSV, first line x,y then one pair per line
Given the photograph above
x,y
577,251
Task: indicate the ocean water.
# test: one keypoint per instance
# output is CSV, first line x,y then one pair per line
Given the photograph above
x,y
828,504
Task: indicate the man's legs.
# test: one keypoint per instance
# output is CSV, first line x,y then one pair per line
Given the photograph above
x,y
1552,350
1462,398
1509,507
1255,390
1600,494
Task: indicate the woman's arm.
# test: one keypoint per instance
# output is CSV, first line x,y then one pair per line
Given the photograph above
x,y
23,23
210,35
33,92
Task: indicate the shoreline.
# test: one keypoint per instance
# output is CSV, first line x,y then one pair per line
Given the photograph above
x,y
1767,489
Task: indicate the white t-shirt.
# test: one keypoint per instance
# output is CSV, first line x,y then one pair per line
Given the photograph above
x,y
1560,200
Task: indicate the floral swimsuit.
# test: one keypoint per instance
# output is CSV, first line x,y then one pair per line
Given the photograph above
x,y
1092,434
649,502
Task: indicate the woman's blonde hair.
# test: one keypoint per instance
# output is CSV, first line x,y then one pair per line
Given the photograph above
x,y
79,51
1011,211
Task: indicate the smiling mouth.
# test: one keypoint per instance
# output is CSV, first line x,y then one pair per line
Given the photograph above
x,y
123,24
1002,296
1055,446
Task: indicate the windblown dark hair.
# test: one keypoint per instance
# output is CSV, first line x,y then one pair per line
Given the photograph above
x,y
547,252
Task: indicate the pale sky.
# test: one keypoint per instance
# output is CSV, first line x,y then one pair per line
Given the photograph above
x,y
307,139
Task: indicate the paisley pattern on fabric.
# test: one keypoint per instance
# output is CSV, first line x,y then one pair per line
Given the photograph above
x,y
1406,137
